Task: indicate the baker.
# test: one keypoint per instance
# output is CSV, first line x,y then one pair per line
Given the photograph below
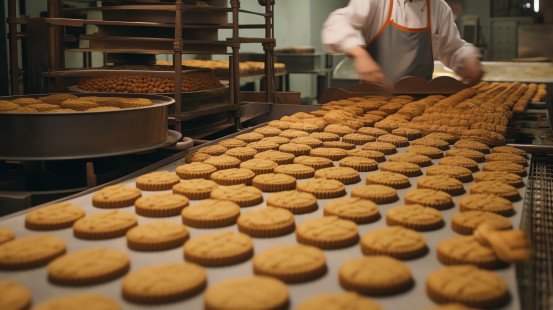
x,y
391,39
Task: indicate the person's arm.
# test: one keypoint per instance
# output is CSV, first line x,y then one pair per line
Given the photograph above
x,y
456,53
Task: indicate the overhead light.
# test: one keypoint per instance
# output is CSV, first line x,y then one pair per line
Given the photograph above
x,y
528,5
536,6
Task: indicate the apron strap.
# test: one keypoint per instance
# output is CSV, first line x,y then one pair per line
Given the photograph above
x,y
383,27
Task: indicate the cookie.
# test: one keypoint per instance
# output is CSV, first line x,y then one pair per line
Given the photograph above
x,y
465,223
196,157
82,301
358,210
451,306
127,103
429,198
414,216
396,241
163,205
460,173
357,138
6,235
213,150
222,162
195,170
517,159
230,143
312,142
383,147
496,188
30,252
282,125
39,107
407,169
88,266
328,232
345,300
428,151
278,157
257,292
233,176
258,146
412,158
293,133
78,104
505,166
250,137
308,127
371,131
295,201
291,263
314,162
268,131
323,188
509,150
164,283
331,153
477,156
219,249
295,149
244,196
380,194
211,214
442,183
437,143
157,236
499,176
195,189
246,152
374,155
116,196
343,174
14,296
375,275
297,171
442,136
340,130
486,202
398,141
325,136
467,250
459,161
55,216
266,222
157,181
259,166
471,145
409,133
104,225
360,164
274,182
468,285
391,179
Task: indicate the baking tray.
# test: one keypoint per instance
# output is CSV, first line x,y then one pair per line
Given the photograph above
x,y
416,298
60,136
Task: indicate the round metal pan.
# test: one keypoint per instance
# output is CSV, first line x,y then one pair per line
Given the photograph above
x,y
61,136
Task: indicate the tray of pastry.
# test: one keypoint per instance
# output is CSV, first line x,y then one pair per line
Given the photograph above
x,y
331,260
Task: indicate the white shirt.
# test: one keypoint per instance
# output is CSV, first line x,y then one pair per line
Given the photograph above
x,y
359,22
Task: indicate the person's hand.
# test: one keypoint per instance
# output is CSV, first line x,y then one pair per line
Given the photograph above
x,y
367,68
471,71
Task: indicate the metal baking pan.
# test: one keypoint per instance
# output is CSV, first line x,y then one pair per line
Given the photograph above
x,y
60,136
416,298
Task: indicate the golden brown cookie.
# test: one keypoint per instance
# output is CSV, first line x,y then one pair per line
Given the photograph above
x,y
428,151
7,106
331,153
509,150
295,201
477,156
164,283
104,225
195,170
429,198
213,150
293,133
312,142
243,152
383,147
442,136
259,146
358,210
88,266
325,136
30,252
391,179
398,141
78,104
295,149
116,196
496,188
14,296
409,133
127,103
219,249
361,164
437,143
407,169
223,162
442,183
26,101
346,300
259,166
358,139
55,216
282,125
244,196
465,223
339,144
471,145
517,159
298,171
233,176
230,143
371,131
268,131
266,222
340,130
396,241
308,127
157,181
256,292
211,214
468,285
274,182
314,162
459,161
415,216
343,174
375,275
499,176
82,301
380,194
196,157
328,232
250,137
374,155
6,235
412,158
486,202
323,188
467,250
505,166
195,189
40,107
460,173
157,236
278,157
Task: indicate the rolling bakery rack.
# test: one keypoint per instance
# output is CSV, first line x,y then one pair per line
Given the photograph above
x,y
133,29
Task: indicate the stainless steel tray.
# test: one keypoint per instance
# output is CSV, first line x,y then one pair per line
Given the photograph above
x,y
416,298
57,136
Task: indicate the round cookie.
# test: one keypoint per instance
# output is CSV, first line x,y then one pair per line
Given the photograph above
x,y
291,263
274,182
297,171
375,275
374,155
386,178
195,189
467,250
259,146
441,183
104,225
345,300
471,154
254,293
460,173
196,157
295,201
339,145
30,252
323,188
295,148
329,232
82,301
55,216
358,139
268,131
505,166
499,176
266,222
412,158
358,210
465,223
293,133
230,143
6,235
442,136
116,196
509,150
380,194
233,176
468,285
244,196
496,188
219,249
312,142
195,170
383,147
278,157
416,217
14,296
398,141
340,130
314,162
245,152
471,145
429,198
331,153
276,139
157,181
517,159
282,125
164,283
213,150
409,133
361,164
211,214
433,142
407,169
161,205
222,162
89,266
371,131
486,202
157,236
459,161
343,174
325,136
395,241
259,166
428,151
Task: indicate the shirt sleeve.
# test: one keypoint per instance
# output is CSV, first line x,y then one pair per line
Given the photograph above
x,y
344,27
452,50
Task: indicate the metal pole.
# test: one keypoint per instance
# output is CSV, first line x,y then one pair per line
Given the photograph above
x,y
235,61
269,52
177,63
14,50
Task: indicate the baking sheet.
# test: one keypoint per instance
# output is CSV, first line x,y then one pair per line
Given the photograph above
x,y
416,298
